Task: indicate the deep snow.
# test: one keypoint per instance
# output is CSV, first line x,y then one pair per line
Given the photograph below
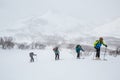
x,y
15,65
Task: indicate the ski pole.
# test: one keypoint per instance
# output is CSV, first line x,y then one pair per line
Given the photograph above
x,y
82,54
105,53
36,57
94,55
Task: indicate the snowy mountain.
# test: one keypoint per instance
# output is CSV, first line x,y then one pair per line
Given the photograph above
x,y
53,26
111,28
51,23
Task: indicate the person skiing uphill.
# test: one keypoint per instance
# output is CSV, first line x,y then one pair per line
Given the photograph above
x,y
31,54
78,49
97,46
56,51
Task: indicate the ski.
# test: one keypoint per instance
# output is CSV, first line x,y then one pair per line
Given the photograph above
x,y
100,59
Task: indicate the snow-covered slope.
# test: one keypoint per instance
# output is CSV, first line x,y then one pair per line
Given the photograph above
x,y
14,65
109,29
51,23
37,28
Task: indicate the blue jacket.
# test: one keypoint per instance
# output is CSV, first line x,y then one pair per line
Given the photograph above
x,y
56,51
98,44
78,49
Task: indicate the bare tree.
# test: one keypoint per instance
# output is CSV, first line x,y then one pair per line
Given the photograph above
x,y
7,42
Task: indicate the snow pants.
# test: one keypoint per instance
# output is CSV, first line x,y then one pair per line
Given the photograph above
x,y
78,55
31,59
56,56
98,52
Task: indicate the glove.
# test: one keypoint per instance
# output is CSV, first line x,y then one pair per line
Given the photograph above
x,y
95,47
105,45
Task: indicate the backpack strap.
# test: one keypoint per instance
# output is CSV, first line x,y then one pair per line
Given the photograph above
x,y
96,42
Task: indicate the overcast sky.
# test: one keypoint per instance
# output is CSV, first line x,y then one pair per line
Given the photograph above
x,y
89,10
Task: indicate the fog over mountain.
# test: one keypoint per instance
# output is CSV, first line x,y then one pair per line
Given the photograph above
x,y
54,26
81,21
48,24
109,29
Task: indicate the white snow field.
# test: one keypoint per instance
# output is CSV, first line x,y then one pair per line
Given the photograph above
x,y
15,65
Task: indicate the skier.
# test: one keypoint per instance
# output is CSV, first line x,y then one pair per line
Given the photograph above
x,y
78,49
56,51
97,46
31,54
